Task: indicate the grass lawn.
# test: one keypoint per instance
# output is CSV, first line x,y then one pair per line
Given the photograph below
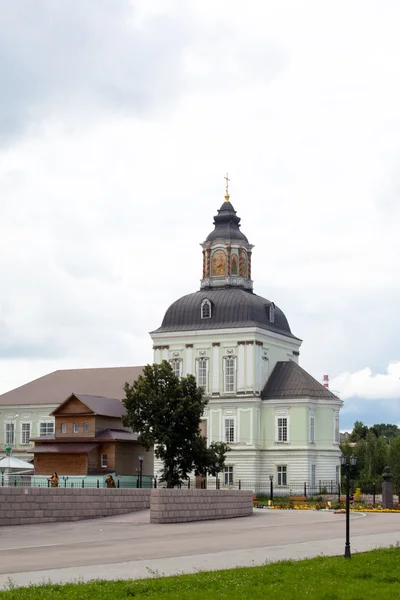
x,y
371,575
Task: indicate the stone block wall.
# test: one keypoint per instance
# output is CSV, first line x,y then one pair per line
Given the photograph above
x,y
20,506
180,506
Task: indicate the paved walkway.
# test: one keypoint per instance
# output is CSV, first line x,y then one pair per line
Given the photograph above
x,y
128,546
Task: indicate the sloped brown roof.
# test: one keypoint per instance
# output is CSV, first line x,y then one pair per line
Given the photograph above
x,y
118,435
69,448
55,387
99,405
289,380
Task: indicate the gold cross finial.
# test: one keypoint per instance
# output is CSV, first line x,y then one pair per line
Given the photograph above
x,y
227,180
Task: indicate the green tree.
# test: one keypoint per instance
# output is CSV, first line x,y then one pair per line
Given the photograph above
x,y
165,411
394,458
386,430
359,432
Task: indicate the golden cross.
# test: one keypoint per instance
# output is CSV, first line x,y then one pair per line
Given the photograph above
x,y
227,185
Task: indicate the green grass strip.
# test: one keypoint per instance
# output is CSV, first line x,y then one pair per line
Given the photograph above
x,y
370,575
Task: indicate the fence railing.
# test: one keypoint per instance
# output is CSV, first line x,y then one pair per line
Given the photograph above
x,y
12,480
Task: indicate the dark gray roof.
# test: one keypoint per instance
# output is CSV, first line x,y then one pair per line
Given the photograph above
x,y
55,387
289,380
226,225
107,407
119,435
66,448
230,307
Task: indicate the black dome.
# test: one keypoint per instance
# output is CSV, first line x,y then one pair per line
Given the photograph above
x,y
226,225
230,307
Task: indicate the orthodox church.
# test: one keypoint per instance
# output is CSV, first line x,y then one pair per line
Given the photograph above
x,y
280,422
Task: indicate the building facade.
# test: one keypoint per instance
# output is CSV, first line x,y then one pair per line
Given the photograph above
x,y
278,420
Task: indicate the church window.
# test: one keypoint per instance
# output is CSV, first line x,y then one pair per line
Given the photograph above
x,y
229,431
228,475
202,373
312,428
176,367
282,474
206,309
272,312
282,429
229,374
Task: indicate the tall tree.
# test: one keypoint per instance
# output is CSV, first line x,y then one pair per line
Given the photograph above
x,y
165,410
359,432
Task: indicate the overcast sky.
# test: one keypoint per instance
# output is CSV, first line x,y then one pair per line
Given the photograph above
x,y
118,121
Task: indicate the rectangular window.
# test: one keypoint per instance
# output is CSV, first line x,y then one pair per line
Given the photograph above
x,y
282,429
25,433
86,427
337,429
313,479
282,474
229,431
312,429
202,373
75,428
104,461
63,428
46,429
176,366
228,475
230,374
10,433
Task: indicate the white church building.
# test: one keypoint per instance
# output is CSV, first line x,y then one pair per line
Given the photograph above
x,y
279,421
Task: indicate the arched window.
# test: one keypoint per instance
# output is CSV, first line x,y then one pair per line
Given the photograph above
x,y
206,309
272,312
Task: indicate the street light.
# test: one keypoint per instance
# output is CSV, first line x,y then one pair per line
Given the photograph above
x,y
141,459
347,464
271,487
216,475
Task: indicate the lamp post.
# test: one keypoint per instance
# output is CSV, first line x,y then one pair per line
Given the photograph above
x,y
216,475
271,487
347,464
141,459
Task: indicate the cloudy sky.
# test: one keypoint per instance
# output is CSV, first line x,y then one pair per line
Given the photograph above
x,y
118,121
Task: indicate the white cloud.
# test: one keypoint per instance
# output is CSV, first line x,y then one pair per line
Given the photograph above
x,y
365,384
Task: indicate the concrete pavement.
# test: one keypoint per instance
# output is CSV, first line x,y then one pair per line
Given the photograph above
x,y
128,546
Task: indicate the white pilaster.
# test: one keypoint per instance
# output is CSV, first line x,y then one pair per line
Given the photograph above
x,y
240,369
216,370
250,367
157,356
188,364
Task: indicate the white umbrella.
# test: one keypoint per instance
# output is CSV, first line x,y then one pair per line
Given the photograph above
x,y
9,462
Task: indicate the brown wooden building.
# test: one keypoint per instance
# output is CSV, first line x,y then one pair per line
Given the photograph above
x,y
90,439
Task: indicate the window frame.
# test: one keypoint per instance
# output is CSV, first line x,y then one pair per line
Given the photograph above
x,y
75,427
228,475
205,304
280,429
203,362
23,432
173,364
229,430
231,388
104,461
46,423
10,433
63,428
86,427
311,428
281,475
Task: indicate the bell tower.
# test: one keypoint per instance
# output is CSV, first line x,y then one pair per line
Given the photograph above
x,y
226,251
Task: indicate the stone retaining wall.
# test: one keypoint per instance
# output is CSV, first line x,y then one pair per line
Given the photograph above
x,y
178,506
20,506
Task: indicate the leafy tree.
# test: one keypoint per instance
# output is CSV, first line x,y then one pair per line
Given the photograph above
x,y
165,411
359,432
394,458
386,430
